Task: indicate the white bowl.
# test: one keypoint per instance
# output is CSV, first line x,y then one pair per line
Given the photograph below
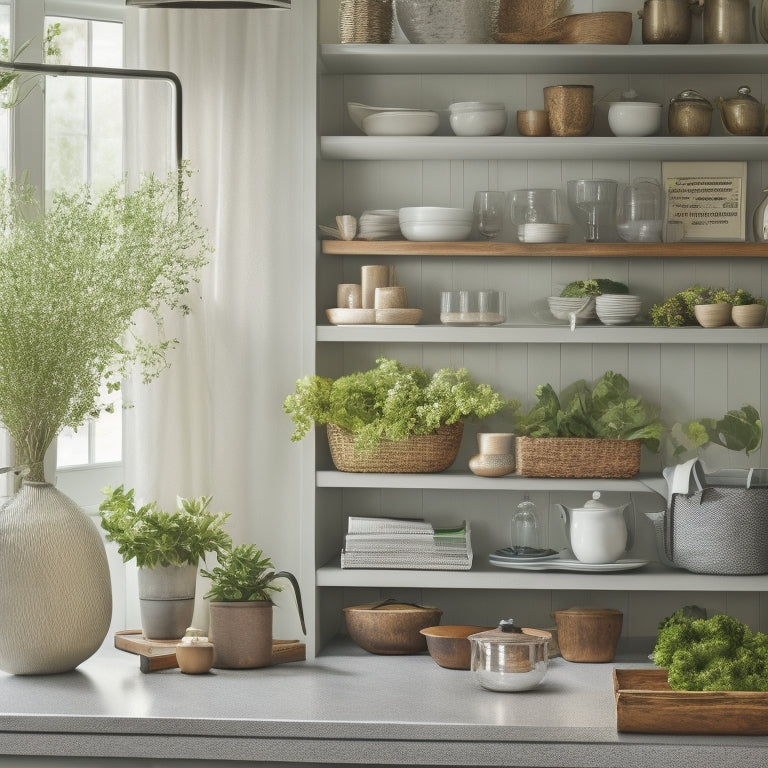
x,y
436,230
477,118
393,123
358,111
634,118
562,307
435,213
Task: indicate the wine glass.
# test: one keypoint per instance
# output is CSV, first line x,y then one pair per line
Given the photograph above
x,y
594,202
489,213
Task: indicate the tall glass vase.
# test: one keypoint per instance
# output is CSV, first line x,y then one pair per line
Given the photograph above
x,y
56,595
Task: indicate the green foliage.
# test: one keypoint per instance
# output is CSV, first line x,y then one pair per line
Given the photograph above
x,y
606,410
678,310
391,401
593,287
715,654
244,574
73,281
738,430
742,298
16,86
154,537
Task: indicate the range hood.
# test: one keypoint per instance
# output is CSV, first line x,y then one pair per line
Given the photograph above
x,y
209,3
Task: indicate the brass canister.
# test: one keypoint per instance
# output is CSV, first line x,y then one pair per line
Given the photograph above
x,y
743,115
666,21
690,114
726,21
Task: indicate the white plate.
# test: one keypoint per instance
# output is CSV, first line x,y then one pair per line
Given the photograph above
x,y
563,564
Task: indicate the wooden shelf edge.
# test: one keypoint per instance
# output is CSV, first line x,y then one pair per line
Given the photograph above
x,y
683,250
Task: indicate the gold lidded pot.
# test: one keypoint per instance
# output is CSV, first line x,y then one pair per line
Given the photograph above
x,y
742,115
690,114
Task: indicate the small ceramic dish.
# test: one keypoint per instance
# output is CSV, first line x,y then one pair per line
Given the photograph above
x,y
401,123
347,316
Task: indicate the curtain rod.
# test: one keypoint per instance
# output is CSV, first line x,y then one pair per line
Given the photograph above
x,y
110,72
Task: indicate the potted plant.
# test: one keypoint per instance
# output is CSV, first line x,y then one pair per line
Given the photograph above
x,y
680,309
241,607
393,417
73,280
747,310
712,308
586,431
167,548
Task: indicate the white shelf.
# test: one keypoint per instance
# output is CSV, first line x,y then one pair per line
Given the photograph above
x,y
688,148
466,481
653,577
541,334
545,59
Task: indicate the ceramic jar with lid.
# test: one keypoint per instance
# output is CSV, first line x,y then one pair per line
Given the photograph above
x,y
743,115
690,114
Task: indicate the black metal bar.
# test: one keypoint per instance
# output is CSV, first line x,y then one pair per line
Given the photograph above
x,y
71,70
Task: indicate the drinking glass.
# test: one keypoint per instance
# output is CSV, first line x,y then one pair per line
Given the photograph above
x,y
489,213
593,202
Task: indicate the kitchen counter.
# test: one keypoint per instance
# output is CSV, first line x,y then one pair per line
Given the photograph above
x,y
345,707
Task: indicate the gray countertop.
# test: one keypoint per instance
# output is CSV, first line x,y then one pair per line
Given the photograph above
x,y
347,706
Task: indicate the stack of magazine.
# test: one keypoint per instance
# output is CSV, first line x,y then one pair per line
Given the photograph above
x,y
387,542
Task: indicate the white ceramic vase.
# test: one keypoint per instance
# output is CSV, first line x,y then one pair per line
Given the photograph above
x,y
56,595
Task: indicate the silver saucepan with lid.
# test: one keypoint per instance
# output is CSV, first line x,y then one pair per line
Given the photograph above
x,y
509,658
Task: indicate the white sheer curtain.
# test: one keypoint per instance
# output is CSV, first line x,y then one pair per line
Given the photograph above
x,y
213,424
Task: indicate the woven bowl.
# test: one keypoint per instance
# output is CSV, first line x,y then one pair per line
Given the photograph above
x,y
390,628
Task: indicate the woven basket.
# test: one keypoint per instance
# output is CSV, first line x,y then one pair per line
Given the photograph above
x,y
419,453
599,28
576,457
365,21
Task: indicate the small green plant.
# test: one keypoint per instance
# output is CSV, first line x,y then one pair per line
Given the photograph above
x,y
605,410
742,298
678,309
593,287
244,574
389,402
154,537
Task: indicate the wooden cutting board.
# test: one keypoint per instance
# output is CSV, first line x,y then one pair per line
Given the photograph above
x,y
646,704
161,654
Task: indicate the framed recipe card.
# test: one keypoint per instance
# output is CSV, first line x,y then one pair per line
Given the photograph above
x,y
708,198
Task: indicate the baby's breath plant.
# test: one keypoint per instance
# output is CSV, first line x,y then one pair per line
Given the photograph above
x,y
73,280
392,401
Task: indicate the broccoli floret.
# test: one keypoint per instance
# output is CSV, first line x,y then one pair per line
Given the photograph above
x,y
716,654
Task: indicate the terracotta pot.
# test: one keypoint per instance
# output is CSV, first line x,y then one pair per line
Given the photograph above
x,y
241,634
390,628
749,315
713,315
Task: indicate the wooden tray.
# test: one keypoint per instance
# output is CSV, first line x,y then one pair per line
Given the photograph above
x,y
161,654
646,704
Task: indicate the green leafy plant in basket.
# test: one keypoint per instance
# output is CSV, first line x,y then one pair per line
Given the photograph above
x,y
605,410
391,401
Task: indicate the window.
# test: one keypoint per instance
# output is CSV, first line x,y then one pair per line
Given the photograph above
x,y
82,143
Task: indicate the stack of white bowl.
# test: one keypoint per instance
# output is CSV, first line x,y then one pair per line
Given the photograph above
x,y
543,233
425,223
477,118
617,308
583,307
378,225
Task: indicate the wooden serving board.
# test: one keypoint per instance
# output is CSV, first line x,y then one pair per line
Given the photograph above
x,y
646,704
161,654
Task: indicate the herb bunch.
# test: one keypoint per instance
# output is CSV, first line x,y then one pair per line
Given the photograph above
x,y
391,401
73,281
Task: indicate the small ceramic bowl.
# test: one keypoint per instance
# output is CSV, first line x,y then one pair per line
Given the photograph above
x,y
477,118
448,644
634,118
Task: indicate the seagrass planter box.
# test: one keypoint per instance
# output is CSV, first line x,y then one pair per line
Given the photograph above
x,y
576,457
418,454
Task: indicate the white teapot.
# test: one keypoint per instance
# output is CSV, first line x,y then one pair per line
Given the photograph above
x,y
596,532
